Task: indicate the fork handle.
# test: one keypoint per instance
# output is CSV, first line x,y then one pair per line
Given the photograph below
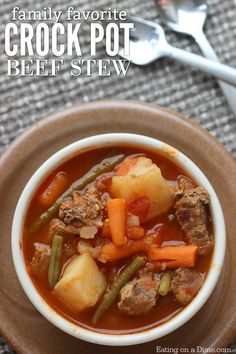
x,y
228,90
221,71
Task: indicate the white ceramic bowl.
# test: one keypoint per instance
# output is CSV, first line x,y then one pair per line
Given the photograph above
x,y
109,140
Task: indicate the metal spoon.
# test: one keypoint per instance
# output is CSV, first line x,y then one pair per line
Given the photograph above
x,y
188,17
148,43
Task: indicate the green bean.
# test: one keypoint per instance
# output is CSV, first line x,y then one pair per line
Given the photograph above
x,y
112,293
165,283
105,166
55,260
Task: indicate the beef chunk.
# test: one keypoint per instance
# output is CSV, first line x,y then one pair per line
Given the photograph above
x,y
57,226
138,296
185,284
80,214
191,210
40,260
185,183
86,209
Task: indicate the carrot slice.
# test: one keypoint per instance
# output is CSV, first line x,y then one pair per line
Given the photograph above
x,y
174,256
111,253
135,232
117,220
54,190
106,232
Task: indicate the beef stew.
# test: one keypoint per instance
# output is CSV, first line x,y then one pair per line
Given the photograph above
x,y
118,240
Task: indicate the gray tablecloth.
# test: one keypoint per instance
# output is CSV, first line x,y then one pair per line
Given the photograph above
x,y
25,100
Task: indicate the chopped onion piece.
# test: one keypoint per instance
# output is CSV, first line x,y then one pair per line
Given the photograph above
x,y
133,220
88,232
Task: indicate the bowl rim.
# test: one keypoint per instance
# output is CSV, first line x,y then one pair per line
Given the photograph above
x,y
124,338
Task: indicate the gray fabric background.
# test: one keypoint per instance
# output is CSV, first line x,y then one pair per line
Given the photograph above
x,y
25,100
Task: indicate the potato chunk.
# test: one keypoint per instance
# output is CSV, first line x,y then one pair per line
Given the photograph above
x,y
82,283
143,178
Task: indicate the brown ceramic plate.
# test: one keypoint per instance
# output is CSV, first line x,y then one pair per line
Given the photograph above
x,y
27,331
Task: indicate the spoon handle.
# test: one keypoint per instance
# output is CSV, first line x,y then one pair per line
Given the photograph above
x,y
221,71
228,90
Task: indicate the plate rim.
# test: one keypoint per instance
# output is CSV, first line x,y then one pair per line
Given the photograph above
x,y
94,106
